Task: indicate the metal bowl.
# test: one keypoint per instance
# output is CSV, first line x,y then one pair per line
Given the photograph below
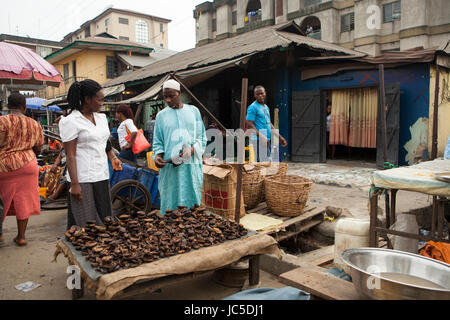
x,y
384,274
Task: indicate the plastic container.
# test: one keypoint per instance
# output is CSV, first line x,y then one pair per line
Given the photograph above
x,y
150,180
350,233
43,192
128,172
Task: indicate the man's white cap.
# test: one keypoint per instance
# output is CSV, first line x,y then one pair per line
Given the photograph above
x,y
171,84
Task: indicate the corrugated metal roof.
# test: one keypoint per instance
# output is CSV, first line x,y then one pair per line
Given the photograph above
x,y
415,55
248,43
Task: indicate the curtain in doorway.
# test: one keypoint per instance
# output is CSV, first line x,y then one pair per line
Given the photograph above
x,y
354,117
363,118
340,117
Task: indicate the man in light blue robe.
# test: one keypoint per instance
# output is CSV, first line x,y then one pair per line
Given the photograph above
x,y
179,137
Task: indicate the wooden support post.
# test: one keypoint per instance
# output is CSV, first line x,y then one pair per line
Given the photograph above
x,y
241,149
138,113
253,272
434,144
373,220
393,204
383,111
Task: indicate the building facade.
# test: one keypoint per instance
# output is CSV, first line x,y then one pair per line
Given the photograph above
x,y
41,47
370,26
95,58
125,25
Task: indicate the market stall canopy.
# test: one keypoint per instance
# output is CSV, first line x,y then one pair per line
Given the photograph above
x,y
22,65
190,78
110,91
249,43
37,104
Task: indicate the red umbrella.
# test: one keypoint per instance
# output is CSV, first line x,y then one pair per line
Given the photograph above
x,y
20,65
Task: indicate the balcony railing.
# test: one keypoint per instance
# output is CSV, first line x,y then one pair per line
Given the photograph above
x,y
316,35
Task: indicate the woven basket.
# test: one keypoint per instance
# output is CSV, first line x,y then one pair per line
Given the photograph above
x,y
287,195
271,169
253,188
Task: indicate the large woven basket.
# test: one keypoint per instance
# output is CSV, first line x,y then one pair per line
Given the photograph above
x,y
271,169
253,188
287,195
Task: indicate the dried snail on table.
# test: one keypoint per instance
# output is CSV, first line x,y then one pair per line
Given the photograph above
x,y
127,242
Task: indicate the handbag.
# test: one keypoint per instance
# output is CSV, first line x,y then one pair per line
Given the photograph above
x,y
140,143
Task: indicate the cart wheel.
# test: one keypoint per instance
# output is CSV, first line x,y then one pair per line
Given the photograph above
x,y
129,197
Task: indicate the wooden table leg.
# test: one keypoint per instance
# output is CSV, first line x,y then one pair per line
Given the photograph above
x,y
434,216
253,271
387,209
440,218
373,220
78,293
393,204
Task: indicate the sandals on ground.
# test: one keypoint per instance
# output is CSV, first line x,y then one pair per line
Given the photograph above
x,y
20,242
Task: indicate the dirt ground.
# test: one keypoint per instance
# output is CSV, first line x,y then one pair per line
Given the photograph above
x,y
34,262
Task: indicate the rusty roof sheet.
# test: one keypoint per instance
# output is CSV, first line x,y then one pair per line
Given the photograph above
x,y
415,55
252,42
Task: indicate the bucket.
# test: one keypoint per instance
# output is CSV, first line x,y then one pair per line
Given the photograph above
x,y
350,233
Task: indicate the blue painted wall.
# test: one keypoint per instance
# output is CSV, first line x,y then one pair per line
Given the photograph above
x,y
414,101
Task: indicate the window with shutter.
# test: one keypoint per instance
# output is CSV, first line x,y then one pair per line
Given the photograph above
x,y
312,2
234,18
214,25
112,67
392,11
348,22
123,20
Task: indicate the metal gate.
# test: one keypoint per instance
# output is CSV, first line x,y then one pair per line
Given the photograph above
x,y
307,124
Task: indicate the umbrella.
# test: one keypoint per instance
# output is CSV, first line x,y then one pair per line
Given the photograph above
x,y
21,65
36,104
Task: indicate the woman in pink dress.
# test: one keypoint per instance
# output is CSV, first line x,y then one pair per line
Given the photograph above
x,y
21,139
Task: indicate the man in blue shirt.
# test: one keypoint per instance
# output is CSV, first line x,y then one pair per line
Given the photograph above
x,y
258,119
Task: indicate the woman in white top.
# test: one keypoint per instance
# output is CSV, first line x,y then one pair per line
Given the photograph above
x,y
125,115
85,135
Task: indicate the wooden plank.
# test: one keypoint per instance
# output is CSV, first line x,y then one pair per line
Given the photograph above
x,y
317,211
319,256
282,235
318,283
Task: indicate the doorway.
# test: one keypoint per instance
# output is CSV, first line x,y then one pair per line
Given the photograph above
x,y
351,121
354,127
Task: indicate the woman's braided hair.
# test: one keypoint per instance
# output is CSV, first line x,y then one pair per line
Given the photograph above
x,y
78,91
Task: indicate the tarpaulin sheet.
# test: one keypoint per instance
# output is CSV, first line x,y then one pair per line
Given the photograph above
x,y
205,259
418,178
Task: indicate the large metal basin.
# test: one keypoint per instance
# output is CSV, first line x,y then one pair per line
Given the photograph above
x,y
384,274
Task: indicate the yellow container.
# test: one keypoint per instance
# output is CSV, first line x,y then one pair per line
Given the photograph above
x,y
43,192
252,153
150,162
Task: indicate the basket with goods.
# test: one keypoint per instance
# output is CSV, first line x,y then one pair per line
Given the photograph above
x,y
287,195
271,169
253,187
